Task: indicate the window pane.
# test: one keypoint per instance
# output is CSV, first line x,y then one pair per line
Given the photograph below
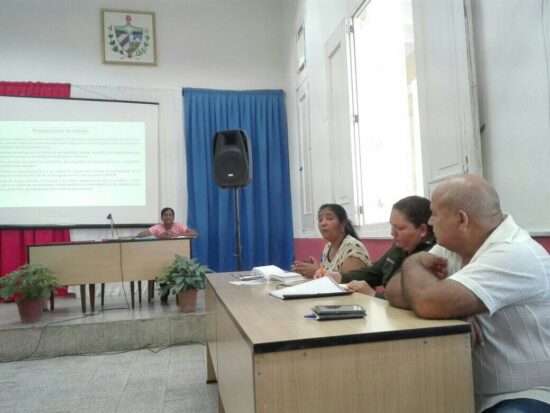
x,y
387,106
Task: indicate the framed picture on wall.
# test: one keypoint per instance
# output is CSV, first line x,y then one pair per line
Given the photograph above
x,y
128,37
301,46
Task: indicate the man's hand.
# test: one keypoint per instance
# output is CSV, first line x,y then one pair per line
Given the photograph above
x,y
476,335
436,265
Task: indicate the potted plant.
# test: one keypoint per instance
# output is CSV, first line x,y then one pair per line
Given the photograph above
x,y
30,284
183,278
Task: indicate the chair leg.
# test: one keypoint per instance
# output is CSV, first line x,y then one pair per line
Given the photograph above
x,y
139,291
102,294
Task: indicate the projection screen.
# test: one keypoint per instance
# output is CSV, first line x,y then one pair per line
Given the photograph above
x,y
74,161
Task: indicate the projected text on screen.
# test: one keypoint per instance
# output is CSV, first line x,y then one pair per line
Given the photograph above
x,y
53,163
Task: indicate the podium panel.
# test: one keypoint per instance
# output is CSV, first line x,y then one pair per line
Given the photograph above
x,y
104,262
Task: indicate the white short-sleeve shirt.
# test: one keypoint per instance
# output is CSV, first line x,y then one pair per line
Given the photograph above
x,y
510,274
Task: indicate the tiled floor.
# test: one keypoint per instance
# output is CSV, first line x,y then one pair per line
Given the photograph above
x,y
67,331
170,380
68,311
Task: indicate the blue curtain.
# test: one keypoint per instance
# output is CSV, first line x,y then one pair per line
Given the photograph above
x,y
265,205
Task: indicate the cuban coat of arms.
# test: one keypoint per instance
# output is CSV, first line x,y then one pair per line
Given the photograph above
x,y
128,41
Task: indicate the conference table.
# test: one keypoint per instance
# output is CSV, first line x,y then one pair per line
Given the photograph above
x,y
267,357
90,262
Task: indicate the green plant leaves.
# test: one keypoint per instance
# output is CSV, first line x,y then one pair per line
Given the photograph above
x,y
32,281
183,274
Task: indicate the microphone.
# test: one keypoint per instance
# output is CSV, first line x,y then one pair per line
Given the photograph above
x,y
110,218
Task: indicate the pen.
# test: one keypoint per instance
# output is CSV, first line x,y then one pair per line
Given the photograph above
x,y
310,316
320,272
251,277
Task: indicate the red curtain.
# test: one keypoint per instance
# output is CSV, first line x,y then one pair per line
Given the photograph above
x,y
13,243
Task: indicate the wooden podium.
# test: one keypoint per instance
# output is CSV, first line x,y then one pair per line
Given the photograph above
x,y
82,263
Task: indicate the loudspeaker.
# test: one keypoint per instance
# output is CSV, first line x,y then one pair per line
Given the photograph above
x,y
231,159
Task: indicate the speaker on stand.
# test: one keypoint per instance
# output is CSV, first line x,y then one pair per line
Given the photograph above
x,y
232,168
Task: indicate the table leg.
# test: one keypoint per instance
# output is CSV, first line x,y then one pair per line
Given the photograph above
x,y
210,373
150,290
83,297
51,300
220,404
139,291
92,296
102,294
132,288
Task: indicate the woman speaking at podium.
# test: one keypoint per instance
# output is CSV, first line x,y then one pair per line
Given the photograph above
x,y
168,228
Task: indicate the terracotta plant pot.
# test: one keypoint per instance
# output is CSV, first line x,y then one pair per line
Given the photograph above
x,y
30,311
187,301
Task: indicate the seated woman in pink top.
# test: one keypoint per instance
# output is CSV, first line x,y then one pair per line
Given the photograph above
x,y
168,228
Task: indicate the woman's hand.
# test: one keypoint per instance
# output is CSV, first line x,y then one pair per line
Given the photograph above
x,y
336,276
360,287
305,268
145,233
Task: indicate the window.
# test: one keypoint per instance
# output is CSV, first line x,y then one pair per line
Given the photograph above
x,y
386,108
400,121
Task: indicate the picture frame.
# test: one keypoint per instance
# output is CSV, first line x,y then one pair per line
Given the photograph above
x,y
301,47
128,37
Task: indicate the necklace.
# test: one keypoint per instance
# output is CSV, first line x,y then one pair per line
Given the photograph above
x,y
335,251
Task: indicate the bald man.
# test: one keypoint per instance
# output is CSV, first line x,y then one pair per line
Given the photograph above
x,y
486,266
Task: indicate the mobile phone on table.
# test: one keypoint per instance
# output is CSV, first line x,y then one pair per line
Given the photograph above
x,y
333,312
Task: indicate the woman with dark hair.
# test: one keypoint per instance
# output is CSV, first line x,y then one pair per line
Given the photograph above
x,y
168,228
411,233
343,252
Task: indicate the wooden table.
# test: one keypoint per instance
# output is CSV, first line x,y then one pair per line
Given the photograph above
x,y
266,357
81,263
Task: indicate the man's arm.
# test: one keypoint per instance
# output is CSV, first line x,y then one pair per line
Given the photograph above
x,y
431,297
393,292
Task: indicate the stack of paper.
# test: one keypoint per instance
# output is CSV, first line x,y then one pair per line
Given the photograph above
x,y
274,273
321,287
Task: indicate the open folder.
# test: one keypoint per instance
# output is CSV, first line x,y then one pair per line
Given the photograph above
x,y
275,274
321,287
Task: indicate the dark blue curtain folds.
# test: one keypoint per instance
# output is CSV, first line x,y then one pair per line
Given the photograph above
x,y
265,205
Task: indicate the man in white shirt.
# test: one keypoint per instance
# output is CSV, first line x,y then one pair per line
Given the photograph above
x,y
486,266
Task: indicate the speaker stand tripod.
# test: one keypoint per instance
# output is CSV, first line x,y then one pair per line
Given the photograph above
x,y
237,229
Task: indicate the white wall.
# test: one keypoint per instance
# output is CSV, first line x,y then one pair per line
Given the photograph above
x,y
225,44
512,42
